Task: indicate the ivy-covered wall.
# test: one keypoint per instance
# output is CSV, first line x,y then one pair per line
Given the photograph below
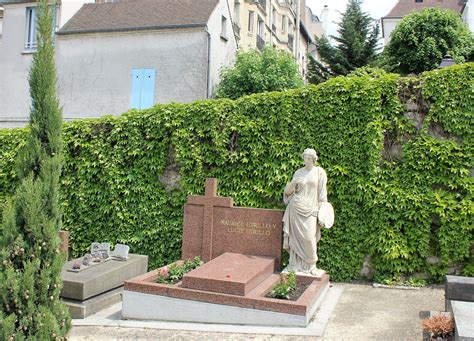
x,y
398,154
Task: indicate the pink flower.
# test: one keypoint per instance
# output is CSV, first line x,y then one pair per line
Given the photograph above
x,y
164,272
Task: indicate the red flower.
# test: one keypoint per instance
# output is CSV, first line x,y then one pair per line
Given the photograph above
x,y
164,272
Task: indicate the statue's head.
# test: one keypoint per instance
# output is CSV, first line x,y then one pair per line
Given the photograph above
x,y
310,153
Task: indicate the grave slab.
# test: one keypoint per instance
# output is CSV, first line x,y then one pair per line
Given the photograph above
x,y
230,273
145,299
255,299
100,278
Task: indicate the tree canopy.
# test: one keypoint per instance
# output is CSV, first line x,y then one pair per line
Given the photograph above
x,y
356,45
254,72
422,39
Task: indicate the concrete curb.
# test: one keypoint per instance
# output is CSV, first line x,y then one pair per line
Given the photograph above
x,y
401,287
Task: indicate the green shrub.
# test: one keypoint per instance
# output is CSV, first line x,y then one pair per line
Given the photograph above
x,y
174,273
285,287
423,38
255,72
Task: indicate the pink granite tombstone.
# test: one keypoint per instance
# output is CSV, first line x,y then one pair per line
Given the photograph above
x,y
213,226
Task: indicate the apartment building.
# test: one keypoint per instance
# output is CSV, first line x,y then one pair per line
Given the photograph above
x,y
286,24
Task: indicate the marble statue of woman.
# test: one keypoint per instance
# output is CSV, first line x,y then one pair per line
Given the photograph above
x,y
304,196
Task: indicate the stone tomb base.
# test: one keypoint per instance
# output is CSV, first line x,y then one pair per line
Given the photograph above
x,y
82,309
229,289
100,286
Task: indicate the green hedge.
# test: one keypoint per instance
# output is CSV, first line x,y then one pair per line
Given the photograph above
x,y
424,201
397,211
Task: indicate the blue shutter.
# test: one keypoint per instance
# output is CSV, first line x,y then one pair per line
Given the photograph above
x,y
136,88
143,88
148,88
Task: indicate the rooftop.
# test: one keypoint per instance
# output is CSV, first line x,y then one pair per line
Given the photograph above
x,y
405,7
133,15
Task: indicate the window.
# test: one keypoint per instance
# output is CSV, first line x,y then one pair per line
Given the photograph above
x,y
143,88
237,13
283,23
30,31
418,0
224,27
261,27
251,21
30,40
1,21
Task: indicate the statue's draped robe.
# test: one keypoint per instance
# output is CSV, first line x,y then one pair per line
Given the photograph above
x,y
300,222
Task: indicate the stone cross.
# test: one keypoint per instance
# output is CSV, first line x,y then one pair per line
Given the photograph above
x,y
209,201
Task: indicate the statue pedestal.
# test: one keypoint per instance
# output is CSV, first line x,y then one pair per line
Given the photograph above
x,y
318,274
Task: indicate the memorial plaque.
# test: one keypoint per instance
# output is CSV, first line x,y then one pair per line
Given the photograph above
x,y
100,250
213,226
121,252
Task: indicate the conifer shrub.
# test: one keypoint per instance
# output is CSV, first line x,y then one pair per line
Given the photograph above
x,y
31,261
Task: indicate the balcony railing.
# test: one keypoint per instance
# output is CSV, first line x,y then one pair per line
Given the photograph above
x,y
260,42
236,29
291,40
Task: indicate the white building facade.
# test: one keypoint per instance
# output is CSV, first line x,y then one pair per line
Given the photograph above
x,y
17,45
468,14
405,7
112,57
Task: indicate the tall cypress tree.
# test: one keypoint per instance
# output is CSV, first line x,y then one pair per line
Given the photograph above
x,y
356,45
31,261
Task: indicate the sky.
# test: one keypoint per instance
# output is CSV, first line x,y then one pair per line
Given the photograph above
x,y
376,9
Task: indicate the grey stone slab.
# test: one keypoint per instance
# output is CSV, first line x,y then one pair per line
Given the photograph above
x,y
459,288
463,313
82,309
101,278
141,306
112,318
